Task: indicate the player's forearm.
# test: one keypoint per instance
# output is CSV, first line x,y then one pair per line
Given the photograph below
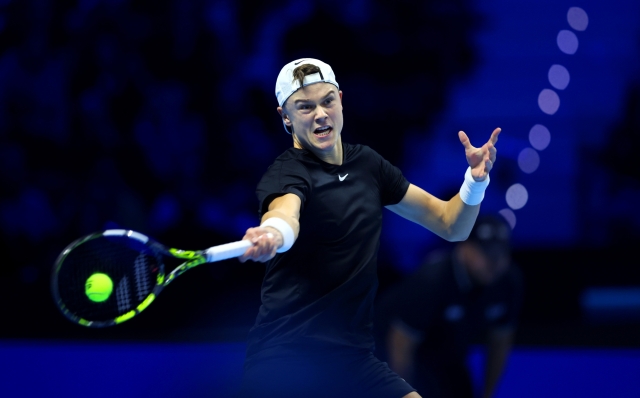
x,y
461,211
453,219
282,231
459,218
292,221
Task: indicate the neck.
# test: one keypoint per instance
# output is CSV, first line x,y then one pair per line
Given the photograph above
x,y
331,155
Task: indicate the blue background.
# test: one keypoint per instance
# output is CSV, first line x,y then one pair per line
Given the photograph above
x,y
159,116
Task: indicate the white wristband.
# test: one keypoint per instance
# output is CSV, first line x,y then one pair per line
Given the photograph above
x,y
472,191
284,228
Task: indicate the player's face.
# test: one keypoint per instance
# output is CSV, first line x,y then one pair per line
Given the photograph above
x,y
315,113
482,268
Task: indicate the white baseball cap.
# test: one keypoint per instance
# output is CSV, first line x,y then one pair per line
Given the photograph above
x,y
286,85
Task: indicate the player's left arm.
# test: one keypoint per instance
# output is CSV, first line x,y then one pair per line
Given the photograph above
x,y
453,219
499,345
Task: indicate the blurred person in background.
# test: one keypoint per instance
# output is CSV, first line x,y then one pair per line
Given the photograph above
x,y
471,294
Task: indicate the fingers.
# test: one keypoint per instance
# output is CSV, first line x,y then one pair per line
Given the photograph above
x,y
488,165
481,160
259,253
264,245
482,169
491,145
494,136
492,152
464,140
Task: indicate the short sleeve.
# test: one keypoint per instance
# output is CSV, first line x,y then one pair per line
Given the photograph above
x,y
283,177
393,184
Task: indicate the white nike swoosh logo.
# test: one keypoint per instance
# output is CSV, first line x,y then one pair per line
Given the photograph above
x,y
341,178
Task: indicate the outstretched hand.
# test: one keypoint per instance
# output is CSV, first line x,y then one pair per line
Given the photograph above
x,y
481,159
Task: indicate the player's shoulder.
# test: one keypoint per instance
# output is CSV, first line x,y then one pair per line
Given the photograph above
x,y
357,149
291,154
292,158
360,152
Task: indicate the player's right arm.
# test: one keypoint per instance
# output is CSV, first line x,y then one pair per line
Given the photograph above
x,y
279,225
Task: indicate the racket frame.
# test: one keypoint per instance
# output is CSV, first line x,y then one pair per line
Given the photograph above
x,y
192,259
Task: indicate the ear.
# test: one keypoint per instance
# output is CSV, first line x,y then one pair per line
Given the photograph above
x,y
284,116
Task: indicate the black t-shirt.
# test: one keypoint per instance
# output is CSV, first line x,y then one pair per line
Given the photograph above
x,y
319,294
449,313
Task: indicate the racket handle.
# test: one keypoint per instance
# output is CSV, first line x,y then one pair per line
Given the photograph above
x,y
228,250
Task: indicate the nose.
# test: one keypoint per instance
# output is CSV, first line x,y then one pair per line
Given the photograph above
x,y
321,114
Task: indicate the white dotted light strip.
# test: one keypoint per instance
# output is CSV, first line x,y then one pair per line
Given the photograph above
x,y
549,103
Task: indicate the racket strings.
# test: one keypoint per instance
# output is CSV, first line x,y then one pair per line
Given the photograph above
x,y
123,298
142,276
132,266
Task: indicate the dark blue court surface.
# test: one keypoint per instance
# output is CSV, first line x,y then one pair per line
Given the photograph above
x,y
96,370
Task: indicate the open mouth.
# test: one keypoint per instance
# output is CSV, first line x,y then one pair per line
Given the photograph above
x,y
323,131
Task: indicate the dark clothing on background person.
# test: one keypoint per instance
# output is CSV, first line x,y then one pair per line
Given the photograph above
x,y
442,307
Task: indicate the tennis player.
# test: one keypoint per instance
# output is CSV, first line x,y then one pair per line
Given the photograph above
x,y
321,205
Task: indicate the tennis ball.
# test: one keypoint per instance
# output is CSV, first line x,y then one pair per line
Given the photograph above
x,y
98,287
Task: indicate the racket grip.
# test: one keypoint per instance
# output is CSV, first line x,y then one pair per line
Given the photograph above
x,y
228,250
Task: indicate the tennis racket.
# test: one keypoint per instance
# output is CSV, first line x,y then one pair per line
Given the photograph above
x,y
135,268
